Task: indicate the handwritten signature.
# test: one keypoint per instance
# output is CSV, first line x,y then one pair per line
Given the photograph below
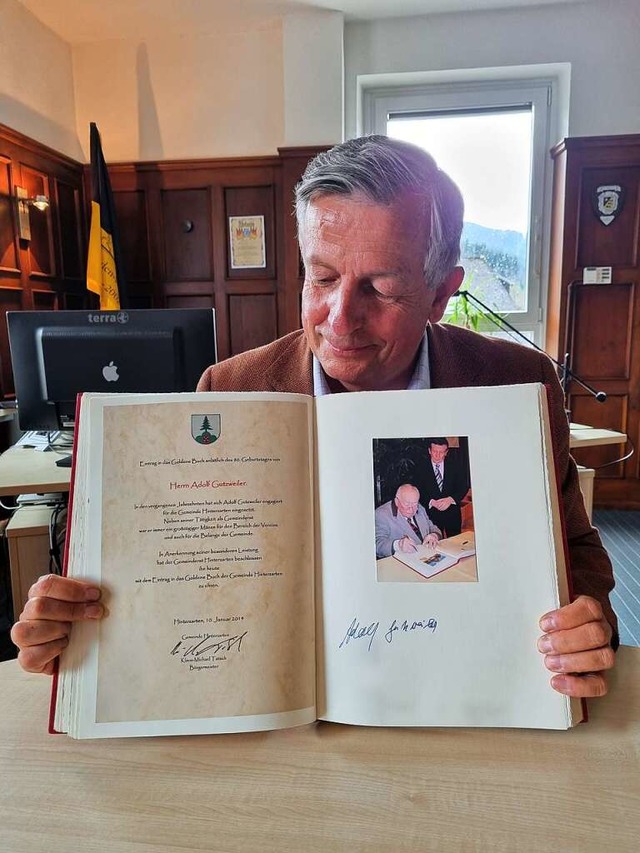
x,y
200,648
356,631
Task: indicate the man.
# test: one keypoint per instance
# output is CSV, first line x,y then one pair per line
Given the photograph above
x,y
402,524
443,482
379,231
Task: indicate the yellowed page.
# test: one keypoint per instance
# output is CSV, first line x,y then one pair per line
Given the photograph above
x,y
205,553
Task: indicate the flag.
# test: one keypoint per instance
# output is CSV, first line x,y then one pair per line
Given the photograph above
x,y
104,265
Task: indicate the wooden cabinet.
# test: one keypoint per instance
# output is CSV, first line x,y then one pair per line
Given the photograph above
x,y
28,538
596,223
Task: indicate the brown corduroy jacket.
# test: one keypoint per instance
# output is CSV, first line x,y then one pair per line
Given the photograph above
x,y
457,358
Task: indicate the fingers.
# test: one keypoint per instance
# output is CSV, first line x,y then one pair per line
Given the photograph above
x,y
583,609
32,633
43,629
44,609
41,658
594,660
581,686
64,589
577,646
593,635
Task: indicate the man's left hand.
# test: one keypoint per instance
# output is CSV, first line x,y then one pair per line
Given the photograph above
x,y
441,504
576,645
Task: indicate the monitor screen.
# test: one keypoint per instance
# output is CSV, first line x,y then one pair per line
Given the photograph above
x,y
58,354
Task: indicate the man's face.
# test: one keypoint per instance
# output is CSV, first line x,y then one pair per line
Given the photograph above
x,y
365,303
437,452
407,503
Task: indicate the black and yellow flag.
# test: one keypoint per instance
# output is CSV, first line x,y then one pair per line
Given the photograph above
x,y
104,266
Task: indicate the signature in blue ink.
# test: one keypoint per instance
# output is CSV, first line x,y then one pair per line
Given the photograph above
x,y
356,631
405,626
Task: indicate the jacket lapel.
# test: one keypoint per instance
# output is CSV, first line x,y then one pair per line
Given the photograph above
x,y
451,357
292,369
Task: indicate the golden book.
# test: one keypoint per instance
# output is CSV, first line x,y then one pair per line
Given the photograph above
x,y
249,551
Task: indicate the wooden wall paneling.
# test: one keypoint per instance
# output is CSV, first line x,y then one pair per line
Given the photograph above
x,y
602,325
253,320
73,301
132,200
165,265
615,244
70,231
133,231
8,229
45,300
40,249
221,305
10,300
251,294
187,234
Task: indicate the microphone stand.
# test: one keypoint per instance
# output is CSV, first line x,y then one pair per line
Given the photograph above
x,y
567,374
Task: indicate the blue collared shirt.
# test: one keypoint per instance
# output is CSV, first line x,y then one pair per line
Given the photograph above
x,y
420,379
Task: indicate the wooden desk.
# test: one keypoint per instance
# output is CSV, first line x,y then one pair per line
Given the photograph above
x,y
585,436
323,788
25,470
581,436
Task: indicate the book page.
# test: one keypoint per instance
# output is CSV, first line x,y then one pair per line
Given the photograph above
x,y
199,529
400,647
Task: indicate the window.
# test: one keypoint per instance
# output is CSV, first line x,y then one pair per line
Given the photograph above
x,y
492,139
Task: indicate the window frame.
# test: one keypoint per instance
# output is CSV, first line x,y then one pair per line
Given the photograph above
x,y
378,103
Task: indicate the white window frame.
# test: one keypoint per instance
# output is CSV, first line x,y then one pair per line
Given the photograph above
x,y
379,102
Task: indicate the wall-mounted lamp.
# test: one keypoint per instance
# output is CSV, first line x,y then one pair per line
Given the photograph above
x,y
40,202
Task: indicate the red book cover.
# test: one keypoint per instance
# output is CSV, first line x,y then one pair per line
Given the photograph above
x,y
65,558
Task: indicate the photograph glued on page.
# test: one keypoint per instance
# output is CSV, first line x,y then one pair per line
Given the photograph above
x,y
424,523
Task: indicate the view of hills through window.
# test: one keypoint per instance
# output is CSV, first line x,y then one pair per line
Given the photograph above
x,y
488,154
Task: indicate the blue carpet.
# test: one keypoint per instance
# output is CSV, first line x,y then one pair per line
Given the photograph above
x,y
620,532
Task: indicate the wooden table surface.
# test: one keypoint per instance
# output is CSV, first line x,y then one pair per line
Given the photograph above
x,y
25,470
585,436
323,787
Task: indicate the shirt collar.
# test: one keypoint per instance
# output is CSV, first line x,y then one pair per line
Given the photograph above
x,y
420,379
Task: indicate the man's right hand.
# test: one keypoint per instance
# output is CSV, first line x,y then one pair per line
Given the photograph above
x,y
54,603
406,545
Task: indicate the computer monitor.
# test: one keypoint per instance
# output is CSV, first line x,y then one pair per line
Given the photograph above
x,y
57,354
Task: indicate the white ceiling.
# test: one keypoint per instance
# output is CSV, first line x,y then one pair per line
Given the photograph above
x,y
95,20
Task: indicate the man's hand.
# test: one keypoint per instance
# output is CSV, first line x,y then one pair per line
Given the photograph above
x,y
406,545
43,630
576,644
441,504
431,540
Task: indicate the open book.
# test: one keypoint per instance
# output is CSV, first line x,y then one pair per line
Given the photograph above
x,y
429,561
234,537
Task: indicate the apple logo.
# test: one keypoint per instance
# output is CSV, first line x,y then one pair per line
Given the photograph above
x,y
110,372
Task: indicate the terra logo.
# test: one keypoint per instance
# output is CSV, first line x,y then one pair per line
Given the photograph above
x,y
109,317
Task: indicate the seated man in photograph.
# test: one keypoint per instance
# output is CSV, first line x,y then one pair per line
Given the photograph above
x,y
402,524
443,481
379,228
